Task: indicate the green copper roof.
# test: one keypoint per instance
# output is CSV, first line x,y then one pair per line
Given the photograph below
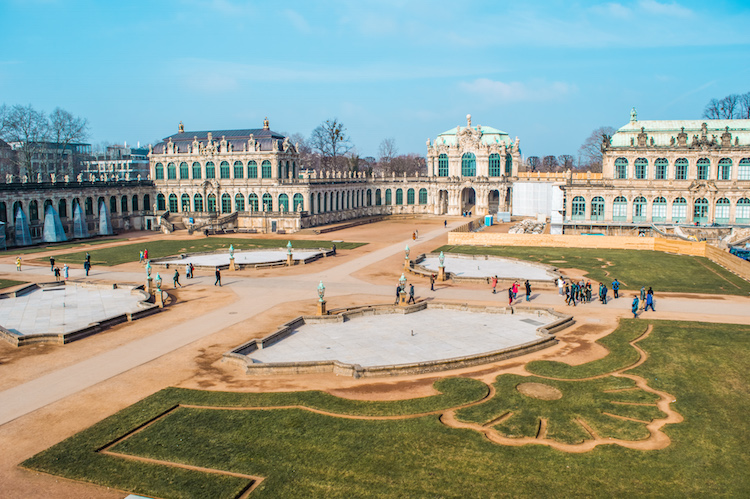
x,y
662,131
490,135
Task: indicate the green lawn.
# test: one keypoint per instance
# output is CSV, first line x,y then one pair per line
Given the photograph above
x,y
6,283
59,246
305,454
158,249
633,268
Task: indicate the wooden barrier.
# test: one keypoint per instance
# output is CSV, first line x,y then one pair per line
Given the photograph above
x,y
729,261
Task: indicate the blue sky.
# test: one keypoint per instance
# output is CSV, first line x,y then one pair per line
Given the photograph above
x,y
548,72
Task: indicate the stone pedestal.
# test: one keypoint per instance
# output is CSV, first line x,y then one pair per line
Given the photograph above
x,y
232,266
289,260
407,265
441,274
159,298
322,308
402,300
149,285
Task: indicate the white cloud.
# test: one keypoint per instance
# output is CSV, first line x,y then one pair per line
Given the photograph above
x,y
665,9
499,91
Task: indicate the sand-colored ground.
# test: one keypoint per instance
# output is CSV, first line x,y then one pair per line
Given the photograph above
x,y
260,301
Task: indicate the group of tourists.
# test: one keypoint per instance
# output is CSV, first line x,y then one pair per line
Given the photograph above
x,y
513,290
646,300
580,292
143,256
411,299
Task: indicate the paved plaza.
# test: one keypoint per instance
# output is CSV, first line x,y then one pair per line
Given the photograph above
x,y
62,309
427,335
243,258
504,269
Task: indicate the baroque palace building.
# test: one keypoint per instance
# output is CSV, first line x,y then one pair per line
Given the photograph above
x,y
666,173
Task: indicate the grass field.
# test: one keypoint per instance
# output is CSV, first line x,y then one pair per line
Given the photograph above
x,y
158,249
59,246
6,283
306,454
633,268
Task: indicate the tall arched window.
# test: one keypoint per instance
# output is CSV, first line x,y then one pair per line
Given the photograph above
x,y
508,165
388,197
224,169
298,201
134,203
742,214
89,206
410,196
620,209
621,168
659,210
399,196
265,168
4,212
267,201
197,202
33,211
238,170
639,209
184,170
681,169
468,165
211,203
369,197
743,173
423,196
171,171
196,170
252,169
722,211
378,200
283,202
700,210
496,169
173,203
679,210
660,168
641,168
210,170
704,164
185,202
62,208
159,169
226,203
443,165
239,202
161,202
146,202
725,169
597,208
578,208
252,202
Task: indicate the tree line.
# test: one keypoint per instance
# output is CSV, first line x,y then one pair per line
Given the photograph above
x,y
731,107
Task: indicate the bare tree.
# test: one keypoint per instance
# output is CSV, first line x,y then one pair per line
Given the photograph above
x,y
307,157
566,161
590,152
728,108
549,164
331,141
387,150
533,163
26,129
408,164
743,106
3,120
66,129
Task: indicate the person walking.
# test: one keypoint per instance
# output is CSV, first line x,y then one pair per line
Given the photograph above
x,y
528,290
416,232
643,296
176,279
561,285
140,256
18,264
413,236
398,293
494,285
445,224
51,264
604,293
510,296
56,270
145,254
616,288
634,308
649,300
411,295
188,274
432,282
588,291
515,290
218,277
88,256
87,267
66,271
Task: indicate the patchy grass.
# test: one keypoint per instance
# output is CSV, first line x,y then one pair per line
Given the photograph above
x,y
6,283
58,246
158,249
633,268
305,454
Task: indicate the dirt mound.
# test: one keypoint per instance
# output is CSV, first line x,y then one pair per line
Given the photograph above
x,y
539,391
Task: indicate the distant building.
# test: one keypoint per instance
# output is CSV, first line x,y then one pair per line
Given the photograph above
x,y
46,158
118,162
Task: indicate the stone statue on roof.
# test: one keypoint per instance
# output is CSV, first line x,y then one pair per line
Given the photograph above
x,y
633,115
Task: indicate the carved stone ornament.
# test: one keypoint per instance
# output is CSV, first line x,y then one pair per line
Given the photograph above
x,y
469,138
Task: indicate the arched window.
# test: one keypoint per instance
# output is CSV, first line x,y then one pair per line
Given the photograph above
x,y
112,205
226,201
48,202
621,168
238,170
423,196
578,208
171,171
443,165
134,202
62,209
388,197
725,169
124,204
210,170
252,201
267,201
252,169
641,168
89,207
239,202
197,202
283,202
298,201
660,168
468,165
224,169
146,202
196,170
679,210
265,168
700,210
597,208
508,165
659,210
495,166
399,196
184,170
378,200
722,211
681,169
16,207
639,209
742,215
704,164
743,173
33,211
620,209
99,203
211,203
369,197
185,202
4,212
159,168
410,196
161,203
173,203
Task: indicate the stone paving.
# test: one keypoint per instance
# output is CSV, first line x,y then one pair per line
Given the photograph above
x,y
430,334
243,258
62,309
504,269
